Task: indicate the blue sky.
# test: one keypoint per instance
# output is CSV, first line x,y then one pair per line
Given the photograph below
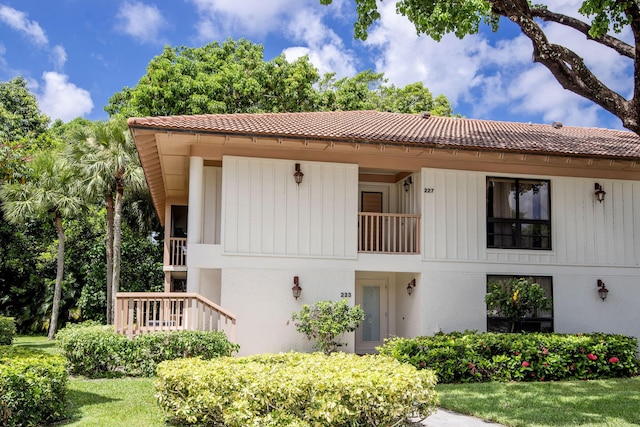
x,y
75,54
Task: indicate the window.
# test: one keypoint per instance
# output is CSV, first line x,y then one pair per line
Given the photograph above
x,y
518,213
532,322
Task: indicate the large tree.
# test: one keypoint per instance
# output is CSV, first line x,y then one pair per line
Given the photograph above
x,y
107,163
50,193
436,18
233,77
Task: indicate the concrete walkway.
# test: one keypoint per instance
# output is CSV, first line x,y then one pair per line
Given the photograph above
x,y
445,418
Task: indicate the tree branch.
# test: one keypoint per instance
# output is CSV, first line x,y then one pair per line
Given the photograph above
x,y
568,68
618,45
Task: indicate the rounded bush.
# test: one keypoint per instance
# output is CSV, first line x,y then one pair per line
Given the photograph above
x,y
33,387
295,389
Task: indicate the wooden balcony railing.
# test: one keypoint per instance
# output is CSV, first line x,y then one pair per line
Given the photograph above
x,y
178,251
143,312
388,233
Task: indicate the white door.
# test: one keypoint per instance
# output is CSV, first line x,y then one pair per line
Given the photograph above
x,y
372,296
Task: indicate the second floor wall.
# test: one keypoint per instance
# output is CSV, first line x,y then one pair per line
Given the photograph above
x,y
254,207
584,231
265,212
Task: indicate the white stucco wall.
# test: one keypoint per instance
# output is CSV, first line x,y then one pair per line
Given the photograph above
x,y
263,303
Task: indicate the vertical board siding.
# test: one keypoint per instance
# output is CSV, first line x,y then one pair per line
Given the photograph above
x,y
584,231
266,213
212,205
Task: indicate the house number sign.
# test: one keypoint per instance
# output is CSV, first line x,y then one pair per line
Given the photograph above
x,y
345,294
429,190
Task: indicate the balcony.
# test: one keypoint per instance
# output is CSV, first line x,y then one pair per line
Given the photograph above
x,y
178,251
387,233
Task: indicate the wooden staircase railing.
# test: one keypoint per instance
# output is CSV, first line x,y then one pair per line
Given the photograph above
x,y
143,312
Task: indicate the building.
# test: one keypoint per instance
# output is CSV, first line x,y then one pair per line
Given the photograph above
x,y
409,216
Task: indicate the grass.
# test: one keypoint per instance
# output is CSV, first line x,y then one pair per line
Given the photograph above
x,y
121,402
40,343
611,403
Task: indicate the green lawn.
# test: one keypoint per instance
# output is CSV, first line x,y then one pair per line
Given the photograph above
x,y
567,403
40,343
121,402
611,403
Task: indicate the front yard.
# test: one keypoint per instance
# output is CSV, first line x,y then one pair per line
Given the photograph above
x,y
613,402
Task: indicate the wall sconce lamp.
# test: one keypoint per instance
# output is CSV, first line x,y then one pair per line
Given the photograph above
x,y
296,289
602,290
298,175
407,183
410,286
599,192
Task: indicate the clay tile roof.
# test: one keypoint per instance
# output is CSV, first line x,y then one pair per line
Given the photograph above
x,y
409,129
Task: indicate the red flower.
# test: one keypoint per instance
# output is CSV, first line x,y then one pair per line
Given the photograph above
x,y
614,360
571,368
592,356
470,365
545,351
525,364
517,353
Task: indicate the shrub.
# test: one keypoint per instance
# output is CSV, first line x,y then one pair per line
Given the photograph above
x,y
294,389
514,299
7,330
97,351
466,357
94,350
150,349
33,387
324,321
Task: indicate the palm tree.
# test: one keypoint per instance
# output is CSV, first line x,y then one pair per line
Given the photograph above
x,y
50,193
106,157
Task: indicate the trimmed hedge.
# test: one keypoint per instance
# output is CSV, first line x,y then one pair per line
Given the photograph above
x,y
97,351
33,387
7,330
473,357
294,389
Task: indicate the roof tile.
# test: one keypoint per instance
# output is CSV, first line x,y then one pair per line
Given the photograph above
x,y
410,129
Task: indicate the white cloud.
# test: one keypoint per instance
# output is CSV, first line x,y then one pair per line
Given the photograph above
x,y
325,48
142,22
59,56
18,21
451,66
246,17
63,100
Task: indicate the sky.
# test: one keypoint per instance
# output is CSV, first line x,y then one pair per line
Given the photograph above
x,y
75,54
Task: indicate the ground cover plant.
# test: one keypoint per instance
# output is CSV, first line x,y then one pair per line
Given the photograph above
x,y
33,387
593,403
294,389
97,351
473,357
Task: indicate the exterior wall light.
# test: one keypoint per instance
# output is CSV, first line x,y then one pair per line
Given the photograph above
x,y
599,192
407,183
298,175
602,290
410,286
296,289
